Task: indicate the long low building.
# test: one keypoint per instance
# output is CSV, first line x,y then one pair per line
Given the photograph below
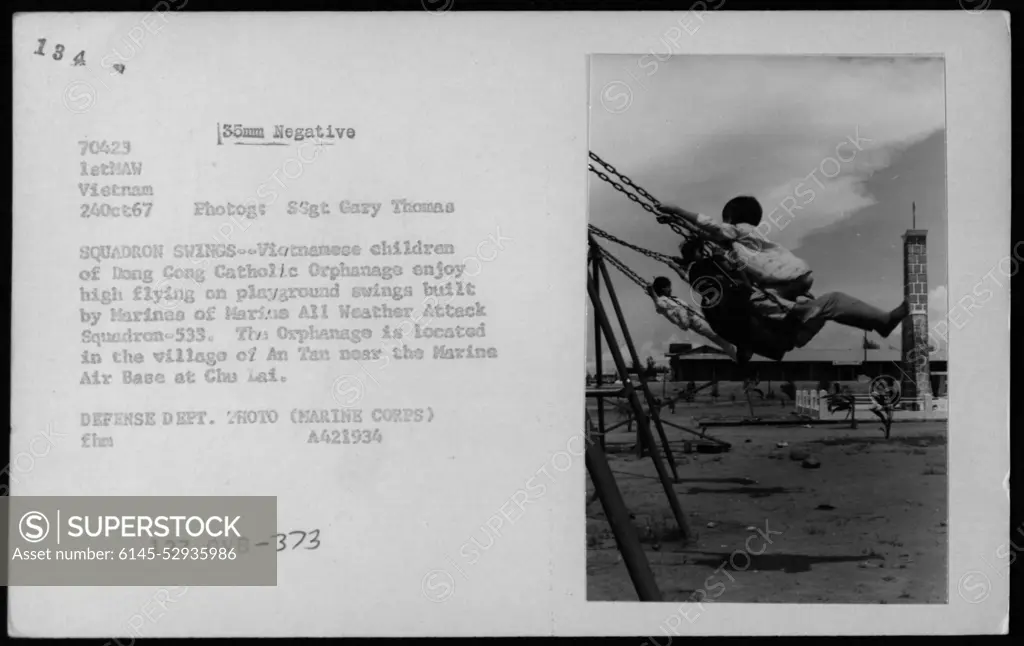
x,y
705,363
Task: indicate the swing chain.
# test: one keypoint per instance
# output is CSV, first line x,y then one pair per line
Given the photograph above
x,y
632,275
622,189
626,180
652,208
715,253
647,252
627,271
621,266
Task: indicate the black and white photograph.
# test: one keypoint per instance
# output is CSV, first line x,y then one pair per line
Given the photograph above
x,y
768,329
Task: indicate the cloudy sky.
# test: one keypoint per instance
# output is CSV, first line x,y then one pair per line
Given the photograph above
x,y
699,130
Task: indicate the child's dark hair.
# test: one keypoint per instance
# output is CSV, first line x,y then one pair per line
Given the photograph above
x,y
742,210
661,283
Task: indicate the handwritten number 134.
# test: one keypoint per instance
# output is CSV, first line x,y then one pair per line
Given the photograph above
x,y
58,53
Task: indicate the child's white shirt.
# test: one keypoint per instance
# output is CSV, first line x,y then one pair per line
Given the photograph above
x,y
686,318
677,312
766,262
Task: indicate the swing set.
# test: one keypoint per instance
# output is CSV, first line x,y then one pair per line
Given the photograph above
x,y
605,488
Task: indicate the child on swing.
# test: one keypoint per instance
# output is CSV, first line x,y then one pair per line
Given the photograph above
x,y
687,319
782,274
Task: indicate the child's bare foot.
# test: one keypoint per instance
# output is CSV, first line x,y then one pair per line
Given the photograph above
x,y
895,318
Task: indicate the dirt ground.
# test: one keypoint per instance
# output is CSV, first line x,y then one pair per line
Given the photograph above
x,y
868,526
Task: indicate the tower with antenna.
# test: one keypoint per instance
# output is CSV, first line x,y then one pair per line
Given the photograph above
x,y
915,364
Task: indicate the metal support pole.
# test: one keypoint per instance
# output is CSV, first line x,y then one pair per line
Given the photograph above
x,y
648,395
597,359
643,430
618,515
703,435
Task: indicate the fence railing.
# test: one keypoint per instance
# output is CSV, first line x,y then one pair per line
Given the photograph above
x,y
815,404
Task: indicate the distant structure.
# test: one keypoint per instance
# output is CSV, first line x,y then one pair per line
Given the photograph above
x,y
705,363
915,381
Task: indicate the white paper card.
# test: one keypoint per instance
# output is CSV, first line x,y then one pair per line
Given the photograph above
x,y
242,159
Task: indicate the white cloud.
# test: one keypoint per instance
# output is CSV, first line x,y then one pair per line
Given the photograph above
x,y
938,301
701,130
646,350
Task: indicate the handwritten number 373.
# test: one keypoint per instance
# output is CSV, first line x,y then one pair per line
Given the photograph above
x,y
58,53
314,541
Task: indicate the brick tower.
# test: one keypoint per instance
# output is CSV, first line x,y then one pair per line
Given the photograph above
x,y
916,379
